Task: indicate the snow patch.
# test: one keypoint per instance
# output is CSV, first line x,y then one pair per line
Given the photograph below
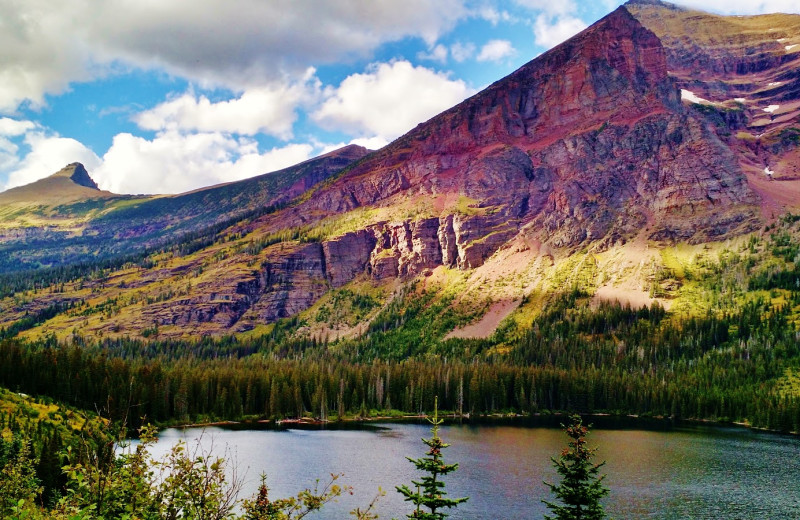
x,y
771,109
740,99
768,172
781,40
775,83
790,47
689,96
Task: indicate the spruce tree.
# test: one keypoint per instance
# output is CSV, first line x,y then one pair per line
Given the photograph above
x,y
430,493
581,488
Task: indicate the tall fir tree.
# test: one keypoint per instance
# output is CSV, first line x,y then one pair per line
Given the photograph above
x,y
430,493
581,486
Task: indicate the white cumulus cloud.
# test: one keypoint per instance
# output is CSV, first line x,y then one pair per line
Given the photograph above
x,y
270,110
462,51
549,31
438,53
370,143
496,50
492,15
389,99
174,162
13,127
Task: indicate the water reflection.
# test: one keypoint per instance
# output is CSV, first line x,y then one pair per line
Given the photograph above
x,y
699,472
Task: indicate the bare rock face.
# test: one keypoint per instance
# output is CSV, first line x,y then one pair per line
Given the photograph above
x,y
415,245
478,237
447,241
740,75
77,173
291,283
590,142
347,256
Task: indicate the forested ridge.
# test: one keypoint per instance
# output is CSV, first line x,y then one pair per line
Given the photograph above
x,y
611,359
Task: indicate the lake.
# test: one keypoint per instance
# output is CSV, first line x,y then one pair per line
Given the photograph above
x,y
661,472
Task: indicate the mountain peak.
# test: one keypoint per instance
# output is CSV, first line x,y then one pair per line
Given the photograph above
x,y
654,3
76,173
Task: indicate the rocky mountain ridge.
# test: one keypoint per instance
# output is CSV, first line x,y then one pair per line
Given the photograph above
x,y
575,170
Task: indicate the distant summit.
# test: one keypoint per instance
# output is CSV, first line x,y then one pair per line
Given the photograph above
x,y
71,183
655,3
77,173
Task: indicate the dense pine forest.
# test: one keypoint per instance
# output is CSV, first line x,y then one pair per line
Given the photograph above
x,y
611,359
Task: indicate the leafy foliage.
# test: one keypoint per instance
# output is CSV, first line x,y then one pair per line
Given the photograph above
x,y
260,507
133,485
18,482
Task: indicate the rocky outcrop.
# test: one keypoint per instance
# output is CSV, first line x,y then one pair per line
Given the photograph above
x,y
347,255
291,283
291,279
407,248
477,238
288,281
77,173
740,74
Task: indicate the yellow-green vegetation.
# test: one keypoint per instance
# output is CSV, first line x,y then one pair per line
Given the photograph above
x,y
708,29
789,384
345,223
347,307
407,209
23,413
577,270
467,206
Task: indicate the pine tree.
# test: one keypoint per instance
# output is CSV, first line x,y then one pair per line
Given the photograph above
x,y
581,488
430,492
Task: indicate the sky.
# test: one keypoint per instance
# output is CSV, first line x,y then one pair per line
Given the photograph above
x,y
166,96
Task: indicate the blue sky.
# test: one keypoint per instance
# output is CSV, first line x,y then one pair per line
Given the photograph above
x,y
165,96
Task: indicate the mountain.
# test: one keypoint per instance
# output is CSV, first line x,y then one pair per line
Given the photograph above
x,y
71,183
742,73
620,164
65,218
589,142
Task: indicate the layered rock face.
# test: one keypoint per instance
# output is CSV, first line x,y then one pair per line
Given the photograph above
x,y
742,74
292,276
588,143
405,249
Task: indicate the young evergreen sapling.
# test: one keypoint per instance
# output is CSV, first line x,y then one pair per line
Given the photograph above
x,y
580,489
429,492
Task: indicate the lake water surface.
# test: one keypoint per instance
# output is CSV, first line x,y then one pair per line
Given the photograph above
x,y
680,472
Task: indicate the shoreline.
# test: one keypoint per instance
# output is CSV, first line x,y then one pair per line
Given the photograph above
x,y
313,422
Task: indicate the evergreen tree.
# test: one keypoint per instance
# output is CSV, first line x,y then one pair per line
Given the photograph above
x,y
581,488
430,492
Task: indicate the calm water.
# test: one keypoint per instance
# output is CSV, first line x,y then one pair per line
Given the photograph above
x,y
695,472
